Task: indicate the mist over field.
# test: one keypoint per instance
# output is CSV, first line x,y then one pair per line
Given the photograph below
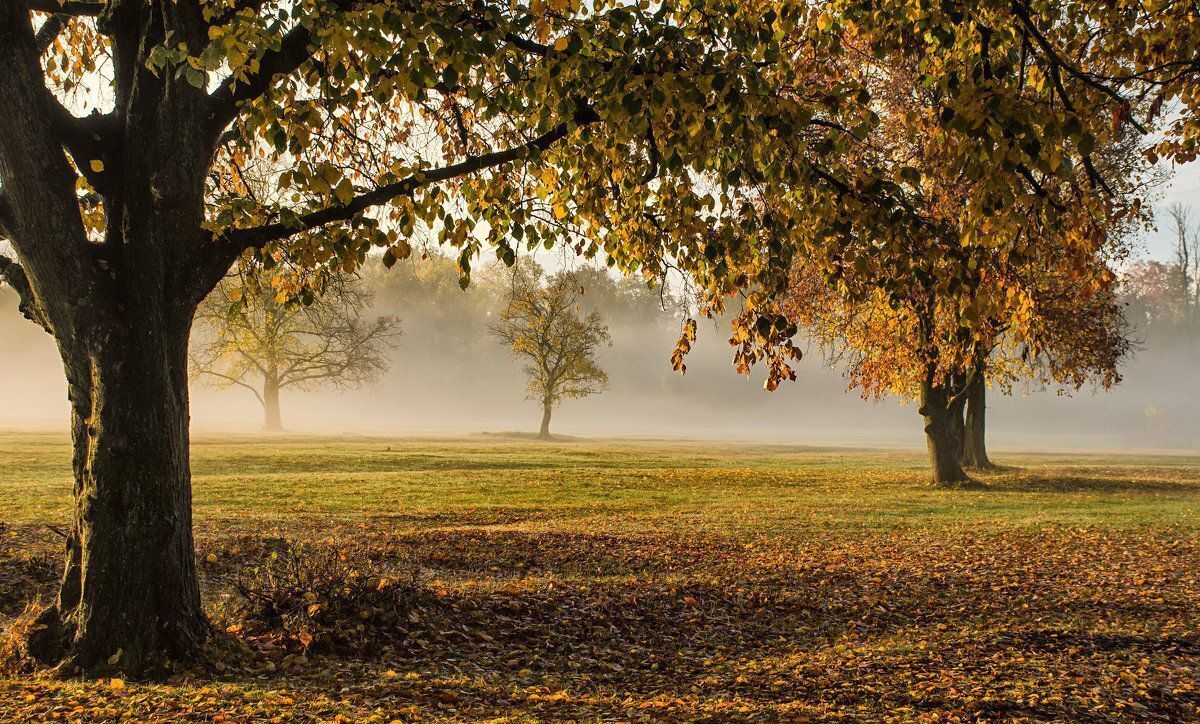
x,y
449,376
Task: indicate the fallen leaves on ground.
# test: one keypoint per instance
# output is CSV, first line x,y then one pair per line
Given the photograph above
x,y
475,622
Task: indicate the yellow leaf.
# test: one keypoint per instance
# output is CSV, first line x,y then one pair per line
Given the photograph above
x,y
344,191
561,44
116,684
97,165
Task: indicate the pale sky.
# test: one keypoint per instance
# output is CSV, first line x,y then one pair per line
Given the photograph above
x,y
1183,187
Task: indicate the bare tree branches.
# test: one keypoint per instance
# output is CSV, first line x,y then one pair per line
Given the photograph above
x,y
253,338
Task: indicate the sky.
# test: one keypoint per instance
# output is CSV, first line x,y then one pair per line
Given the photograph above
x,y
1183,187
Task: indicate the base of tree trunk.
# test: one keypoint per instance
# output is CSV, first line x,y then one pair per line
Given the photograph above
x,y
964,483
50,641
981,466
974,454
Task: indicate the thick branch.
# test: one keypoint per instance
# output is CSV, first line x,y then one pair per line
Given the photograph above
x,y
67,7
50,30
293,52
87,139
260,236
13,275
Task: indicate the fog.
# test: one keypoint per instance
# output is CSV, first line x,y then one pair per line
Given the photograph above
x,y
449,377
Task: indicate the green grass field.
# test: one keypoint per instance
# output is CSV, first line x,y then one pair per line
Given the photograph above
x,y
618,580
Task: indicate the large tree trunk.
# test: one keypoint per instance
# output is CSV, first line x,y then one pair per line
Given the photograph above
x,y
272,419
544,432
129,597
975,433
939,409
120,309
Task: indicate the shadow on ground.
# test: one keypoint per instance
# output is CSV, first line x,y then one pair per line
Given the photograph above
x,y
473,623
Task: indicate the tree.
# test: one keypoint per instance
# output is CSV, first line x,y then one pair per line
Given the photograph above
x,y
263,339
542,324
1150,295
926,338
714,138
1186,265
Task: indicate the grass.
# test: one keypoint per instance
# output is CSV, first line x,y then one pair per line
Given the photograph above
x,y
665,580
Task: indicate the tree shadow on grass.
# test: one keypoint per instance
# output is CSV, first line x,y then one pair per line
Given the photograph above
x,y
1084,483
595,625
579,625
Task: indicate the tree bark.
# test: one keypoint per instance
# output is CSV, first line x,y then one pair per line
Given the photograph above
x,y
272,419
544,432
939,409
120,310
129,599
975,434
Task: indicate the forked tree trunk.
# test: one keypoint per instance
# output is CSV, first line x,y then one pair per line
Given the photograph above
x,y
939,410
129,597
544,432
120,309
272,419
975,433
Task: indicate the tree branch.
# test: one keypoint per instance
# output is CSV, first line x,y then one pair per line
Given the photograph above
x,y
87,139
14,275
50,30
74,8
1023,14
233,381
292,53
257,237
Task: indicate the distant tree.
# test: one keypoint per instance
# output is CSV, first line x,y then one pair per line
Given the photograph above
x,y
542,324
1186,266
1149,297
264,339
625,300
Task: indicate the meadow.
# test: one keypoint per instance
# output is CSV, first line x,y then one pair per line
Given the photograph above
x,y
496,578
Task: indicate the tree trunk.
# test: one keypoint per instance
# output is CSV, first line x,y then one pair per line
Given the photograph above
x,y
273,421
942,437
958,427
129,598
974,434
120,309
544,432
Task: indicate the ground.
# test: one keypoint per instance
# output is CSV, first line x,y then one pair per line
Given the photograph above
x,y
497,578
